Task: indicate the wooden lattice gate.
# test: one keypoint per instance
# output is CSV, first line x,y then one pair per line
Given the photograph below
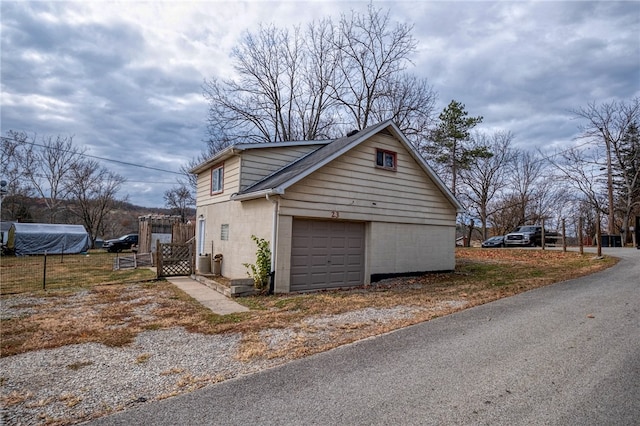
x,y
175,259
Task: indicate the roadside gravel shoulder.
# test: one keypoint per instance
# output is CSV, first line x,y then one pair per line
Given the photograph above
x,y
79,382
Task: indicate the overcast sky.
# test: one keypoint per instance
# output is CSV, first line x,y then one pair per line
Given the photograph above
x,y
125,78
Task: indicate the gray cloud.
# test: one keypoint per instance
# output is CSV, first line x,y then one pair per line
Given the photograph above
x,y
524,66
126,78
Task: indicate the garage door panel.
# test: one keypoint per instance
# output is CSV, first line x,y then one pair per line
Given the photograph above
x,y
319,278
354,243
337,243
297,241
337,260
319,242
298,261
336,276
354,277
326,254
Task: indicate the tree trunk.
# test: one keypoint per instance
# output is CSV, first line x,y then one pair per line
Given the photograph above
x,y
471,225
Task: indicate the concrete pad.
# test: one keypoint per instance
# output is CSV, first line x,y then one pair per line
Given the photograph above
x,y
218,303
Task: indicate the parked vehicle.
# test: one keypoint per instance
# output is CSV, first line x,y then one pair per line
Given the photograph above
x,y
529,236
123,243
493,242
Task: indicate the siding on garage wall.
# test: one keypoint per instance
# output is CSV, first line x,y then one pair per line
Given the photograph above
x,y
352,188
261,162
231,178
401,248
245,219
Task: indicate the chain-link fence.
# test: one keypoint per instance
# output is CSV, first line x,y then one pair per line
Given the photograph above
x,y
43,272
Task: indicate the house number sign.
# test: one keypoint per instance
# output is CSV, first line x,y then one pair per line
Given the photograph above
x,y
335,214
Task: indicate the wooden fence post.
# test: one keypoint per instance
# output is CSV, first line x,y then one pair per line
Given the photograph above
x,y
192,251
564,236
158,258
598,236
44,272
580,241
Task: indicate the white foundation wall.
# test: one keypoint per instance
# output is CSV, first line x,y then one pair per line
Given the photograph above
x,y
245,219
398,248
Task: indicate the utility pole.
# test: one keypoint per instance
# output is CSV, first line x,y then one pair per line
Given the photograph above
x,y
607,142
3,192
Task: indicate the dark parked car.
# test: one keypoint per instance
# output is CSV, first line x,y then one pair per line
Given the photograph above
x,y
530,236
497,241
123,243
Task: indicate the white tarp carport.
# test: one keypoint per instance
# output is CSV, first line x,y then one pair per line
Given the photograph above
x,y
38,238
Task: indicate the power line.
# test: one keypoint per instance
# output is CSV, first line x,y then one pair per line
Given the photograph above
x,y
100,158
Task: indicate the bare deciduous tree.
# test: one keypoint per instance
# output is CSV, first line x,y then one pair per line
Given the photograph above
x,y
485,181
15,147
410,104
280,92
319,83
47,166
606,125
180,198
524,177
580,169
373,54
93,192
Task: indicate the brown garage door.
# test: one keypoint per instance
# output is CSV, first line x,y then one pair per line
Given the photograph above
x,y
326,254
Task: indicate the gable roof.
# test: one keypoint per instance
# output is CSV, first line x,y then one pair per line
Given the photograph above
x,y
280,180
238,148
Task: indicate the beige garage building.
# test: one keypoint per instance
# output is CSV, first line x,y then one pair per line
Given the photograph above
x,y
337,213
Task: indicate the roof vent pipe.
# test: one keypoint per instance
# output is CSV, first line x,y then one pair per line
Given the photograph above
x,y
353,132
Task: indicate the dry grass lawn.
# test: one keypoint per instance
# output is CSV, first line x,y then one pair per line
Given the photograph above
x,y
115,314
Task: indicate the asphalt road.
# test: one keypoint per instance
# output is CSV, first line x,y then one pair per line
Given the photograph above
x,y
567,354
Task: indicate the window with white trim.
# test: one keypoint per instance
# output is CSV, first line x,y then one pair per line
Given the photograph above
x,y
217,179
386,159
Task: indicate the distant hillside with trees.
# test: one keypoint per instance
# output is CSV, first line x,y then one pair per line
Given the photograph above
x,y
121,219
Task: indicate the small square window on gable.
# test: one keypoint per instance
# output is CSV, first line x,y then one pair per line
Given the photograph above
x,y
217,179
386,159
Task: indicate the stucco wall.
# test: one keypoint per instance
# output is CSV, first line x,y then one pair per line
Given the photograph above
x,y
400,248
283,257
244,219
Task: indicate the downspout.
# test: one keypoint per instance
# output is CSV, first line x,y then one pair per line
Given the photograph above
x,y
274,237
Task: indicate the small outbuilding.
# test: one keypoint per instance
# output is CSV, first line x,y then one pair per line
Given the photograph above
x,y
337,213
39,238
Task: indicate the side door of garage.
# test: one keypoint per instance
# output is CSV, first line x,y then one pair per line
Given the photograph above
x,y
327,254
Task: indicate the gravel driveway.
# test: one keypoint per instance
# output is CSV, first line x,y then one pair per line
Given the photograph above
x,y
565,354
75,383
78,382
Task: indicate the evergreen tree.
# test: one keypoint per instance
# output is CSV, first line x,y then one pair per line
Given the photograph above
x,y
452,143
626,178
